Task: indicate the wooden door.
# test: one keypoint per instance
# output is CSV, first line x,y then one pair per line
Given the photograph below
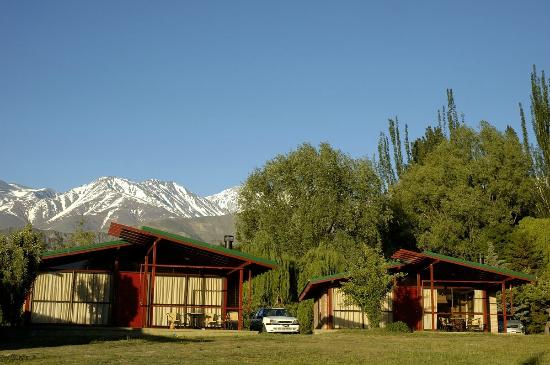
x,y
407,307
128,313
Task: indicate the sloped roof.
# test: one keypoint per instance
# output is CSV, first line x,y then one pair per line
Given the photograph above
x,y
408,256
147,235
208,246
84,248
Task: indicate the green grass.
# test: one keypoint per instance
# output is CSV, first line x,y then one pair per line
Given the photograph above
x,y
345,347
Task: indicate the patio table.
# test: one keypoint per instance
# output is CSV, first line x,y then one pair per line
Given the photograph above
x,y
196,319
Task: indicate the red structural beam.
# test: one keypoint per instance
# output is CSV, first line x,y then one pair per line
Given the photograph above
x,y
224,302
240,325
432,295
485,317
193,267
505,319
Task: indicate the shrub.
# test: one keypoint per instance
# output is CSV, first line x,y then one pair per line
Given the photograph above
x,y
398,327
305,316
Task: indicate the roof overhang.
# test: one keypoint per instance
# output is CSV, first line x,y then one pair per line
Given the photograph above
x,y
148,235
412,259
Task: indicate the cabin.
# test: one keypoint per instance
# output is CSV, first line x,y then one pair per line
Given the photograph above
x,y
145,278
435,293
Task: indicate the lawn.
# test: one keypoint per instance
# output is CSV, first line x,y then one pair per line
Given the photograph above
x,y
346,347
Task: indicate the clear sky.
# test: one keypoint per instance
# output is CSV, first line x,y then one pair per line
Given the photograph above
x,y
202,92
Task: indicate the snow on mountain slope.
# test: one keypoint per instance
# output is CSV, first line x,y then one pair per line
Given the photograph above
x,y
104,200
227,199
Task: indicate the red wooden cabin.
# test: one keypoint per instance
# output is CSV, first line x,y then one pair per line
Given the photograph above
x,y
437,292
147,278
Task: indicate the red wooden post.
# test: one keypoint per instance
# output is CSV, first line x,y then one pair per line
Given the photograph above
x,y
224,302
249,290
116,279
485,318
432,295
511,301
143,306
330,324
504,319
419,299
240,326
27,313
153,274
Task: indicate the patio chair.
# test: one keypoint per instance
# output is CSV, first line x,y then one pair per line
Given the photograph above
x,y
231,320
445,323
173,319
474,325
213,320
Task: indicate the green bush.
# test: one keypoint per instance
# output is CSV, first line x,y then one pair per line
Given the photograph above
x,y
397,327
305,316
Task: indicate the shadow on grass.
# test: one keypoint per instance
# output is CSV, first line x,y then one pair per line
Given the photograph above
x,y
23,338
535,359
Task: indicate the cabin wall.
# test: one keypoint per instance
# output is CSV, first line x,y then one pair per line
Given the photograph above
x,y
184,295
344,315
72,297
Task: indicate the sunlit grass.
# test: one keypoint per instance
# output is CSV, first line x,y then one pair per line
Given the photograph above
x,y
345,347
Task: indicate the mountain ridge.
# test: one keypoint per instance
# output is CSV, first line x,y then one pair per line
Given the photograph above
x,y
105,199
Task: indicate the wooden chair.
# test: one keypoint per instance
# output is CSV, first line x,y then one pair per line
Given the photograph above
x,y
474,325
213,320
232,320
173,319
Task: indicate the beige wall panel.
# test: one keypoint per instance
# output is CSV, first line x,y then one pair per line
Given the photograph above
x,y
92,287
56,300
53,286
427,306
478,305
50,312
170,289
200,291
88,313
351,316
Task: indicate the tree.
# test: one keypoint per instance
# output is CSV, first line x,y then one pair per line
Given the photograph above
x,y
532,304
310,210
540,154
81,237
467,191
369,283
19,259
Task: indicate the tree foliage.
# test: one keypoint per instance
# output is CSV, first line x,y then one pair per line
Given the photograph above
x,y
369,283
309,210
19,259
81,237
466,191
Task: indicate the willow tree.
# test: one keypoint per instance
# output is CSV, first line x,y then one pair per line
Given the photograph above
x,y
310,210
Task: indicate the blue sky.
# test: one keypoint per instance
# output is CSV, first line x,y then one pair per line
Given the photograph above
x,y
202,92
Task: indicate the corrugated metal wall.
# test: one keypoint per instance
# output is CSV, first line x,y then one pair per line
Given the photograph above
x,y
184,295
79,298
351,316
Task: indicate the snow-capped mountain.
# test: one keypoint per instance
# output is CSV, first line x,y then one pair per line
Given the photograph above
x,y
227,199
107,199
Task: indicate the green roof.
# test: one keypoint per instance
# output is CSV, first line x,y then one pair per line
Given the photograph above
x,y
485,267
83,248
222,250
340,275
